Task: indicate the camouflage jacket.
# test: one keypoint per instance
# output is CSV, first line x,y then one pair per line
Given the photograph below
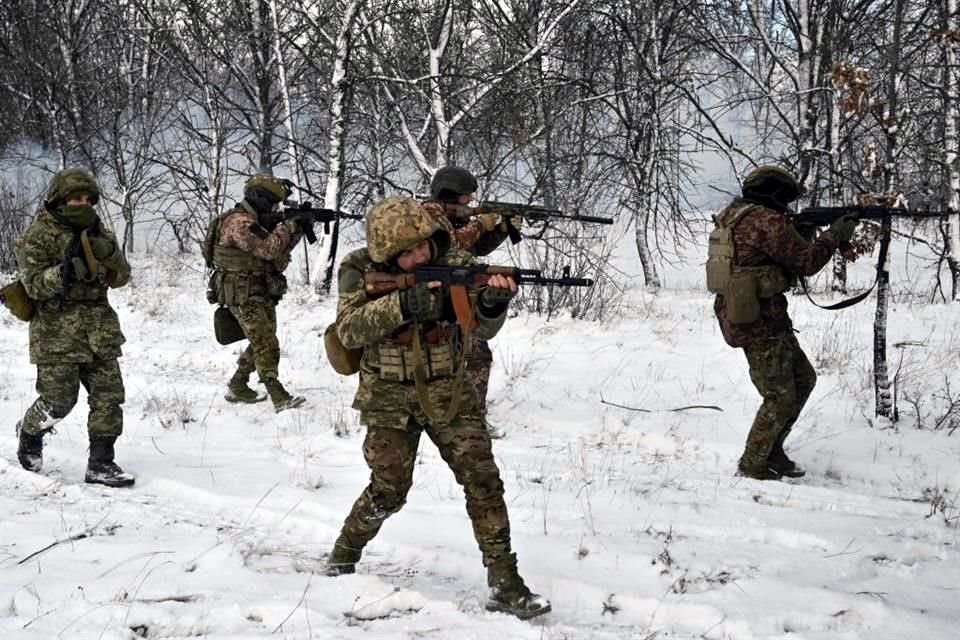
x,y
363,321
469,236
240,229
765,237
80,326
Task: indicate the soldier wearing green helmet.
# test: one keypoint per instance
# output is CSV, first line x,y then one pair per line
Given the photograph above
x,y
480,236
67,262
755,255
248,248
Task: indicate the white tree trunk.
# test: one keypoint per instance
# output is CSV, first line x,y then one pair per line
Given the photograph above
x,y
327,255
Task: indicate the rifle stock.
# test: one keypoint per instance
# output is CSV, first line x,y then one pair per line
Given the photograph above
x,y
824,216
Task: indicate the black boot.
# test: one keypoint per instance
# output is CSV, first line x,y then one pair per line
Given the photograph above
x,y
281,399
780,463
238,390
101,468
509,594
30,450
343,559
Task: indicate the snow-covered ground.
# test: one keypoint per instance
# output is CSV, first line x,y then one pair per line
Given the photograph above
x,y
630,521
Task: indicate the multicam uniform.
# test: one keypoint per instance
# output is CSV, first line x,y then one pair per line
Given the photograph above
x,y
396,409
249,280
764,240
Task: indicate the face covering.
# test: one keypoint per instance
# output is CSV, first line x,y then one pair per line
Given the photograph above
x,y
78,216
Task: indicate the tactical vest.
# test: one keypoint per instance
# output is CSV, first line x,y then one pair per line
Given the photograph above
x,y
238,274
742,287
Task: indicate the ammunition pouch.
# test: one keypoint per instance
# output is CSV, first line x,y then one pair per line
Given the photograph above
x,y
14,297
394,357
226,327
344,361
214,286
747,286
276,285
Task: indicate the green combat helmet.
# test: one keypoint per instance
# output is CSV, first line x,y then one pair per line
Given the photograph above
x,y
771,186
396,224
452,182
68,182
277,187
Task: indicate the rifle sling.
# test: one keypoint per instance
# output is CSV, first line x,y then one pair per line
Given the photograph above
x,y
420,379
843,304
92,263
461,307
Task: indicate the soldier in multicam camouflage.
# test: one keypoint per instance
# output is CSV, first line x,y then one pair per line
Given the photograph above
x,y
480,236
412,364
252,247
75,335
768,254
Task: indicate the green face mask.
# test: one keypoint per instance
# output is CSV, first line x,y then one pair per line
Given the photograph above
x,y
79,216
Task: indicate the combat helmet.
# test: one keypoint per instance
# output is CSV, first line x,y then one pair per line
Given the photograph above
x,y
267,185
450,182
772,186
68,182
398,223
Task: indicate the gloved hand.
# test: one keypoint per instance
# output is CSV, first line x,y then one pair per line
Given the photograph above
x,y
102,247
79,269
495,298
844,227
488,221
421,303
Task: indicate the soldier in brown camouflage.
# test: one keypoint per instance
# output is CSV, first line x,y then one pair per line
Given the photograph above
x,y
67,261
768,254
480,236
412,382
251,249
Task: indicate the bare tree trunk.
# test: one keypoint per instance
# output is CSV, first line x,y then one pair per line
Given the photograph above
x,y
881,374
951,141
338,132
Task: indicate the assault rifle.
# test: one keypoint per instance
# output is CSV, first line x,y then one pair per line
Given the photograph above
x,y
307,215
471,277
824,216
508,209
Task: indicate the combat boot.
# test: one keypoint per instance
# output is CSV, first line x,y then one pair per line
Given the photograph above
x,y
761,471
509,594
30,450
780,463
101,469
239,391
343,559
281,399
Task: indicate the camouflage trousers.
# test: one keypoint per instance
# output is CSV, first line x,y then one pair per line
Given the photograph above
x,y
390,454
479,364
58,386
784,377
258,318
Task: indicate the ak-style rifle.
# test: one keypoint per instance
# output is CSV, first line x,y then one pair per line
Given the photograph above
x,y
510,209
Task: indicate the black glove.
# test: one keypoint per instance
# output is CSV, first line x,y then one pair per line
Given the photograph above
x,y
494,300
421,303
73,269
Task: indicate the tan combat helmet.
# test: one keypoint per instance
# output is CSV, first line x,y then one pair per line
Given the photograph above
x,y
398,223
277,187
